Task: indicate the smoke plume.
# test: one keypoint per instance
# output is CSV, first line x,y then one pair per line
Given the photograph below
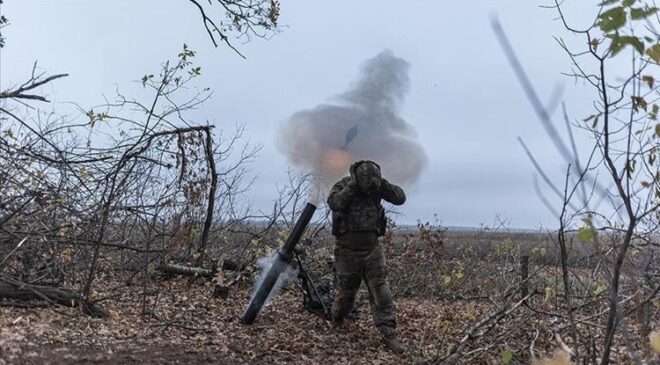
x,y
361,123
287,276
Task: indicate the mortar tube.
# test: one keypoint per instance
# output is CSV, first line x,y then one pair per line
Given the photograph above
x,y
280,263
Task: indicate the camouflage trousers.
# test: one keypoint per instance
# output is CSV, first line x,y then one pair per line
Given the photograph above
x,y
357,259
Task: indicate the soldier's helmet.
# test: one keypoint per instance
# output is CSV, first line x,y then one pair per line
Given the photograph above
x,y
367,175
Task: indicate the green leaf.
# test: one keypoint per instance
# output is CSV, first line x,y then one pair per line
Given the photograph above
x,y
620,42
587,233
653,114
654,52
549,293
628,2
641,13
612,19
446,280
635,42
657,129
507,356
599,289
608,2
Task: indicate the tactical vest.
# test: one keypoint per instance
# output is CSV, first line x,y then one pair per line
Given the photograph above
x,y
364,213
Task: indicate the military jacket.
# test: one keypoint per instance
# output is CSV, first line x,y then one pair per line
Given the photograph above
x,y
355,211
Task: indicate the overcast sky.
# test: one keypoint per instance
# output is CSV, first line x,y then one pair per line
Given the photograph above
x,y
464,101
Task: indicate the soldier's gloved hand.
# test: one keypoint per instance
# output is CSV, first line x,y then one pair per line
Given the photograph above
x,y
352,185
384,183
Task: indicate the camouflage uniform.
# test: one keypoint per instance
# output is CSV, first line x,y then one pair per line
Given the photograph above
x,y
358,219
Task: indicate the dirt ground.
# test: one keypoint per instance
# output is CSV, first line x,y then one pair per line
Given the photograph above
x,y
188,326
63,354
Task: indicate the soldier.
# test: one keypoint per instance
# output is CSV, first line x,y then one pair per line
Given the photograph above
x,y
358,219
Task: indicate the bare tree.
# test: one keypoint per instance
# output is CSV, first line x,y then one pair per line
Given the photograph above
x,y
625,134
136,176
133,175
246,18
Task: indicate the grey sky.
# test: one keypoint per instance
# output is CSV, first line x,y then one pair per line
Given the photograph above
x,y
464,101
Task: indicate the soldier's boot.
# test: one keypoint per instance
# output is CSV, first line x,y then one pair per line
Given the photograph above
x,y
344,324
391,343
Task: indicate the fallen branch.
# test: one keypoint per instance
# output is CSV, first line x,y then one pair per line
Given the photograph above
x,y
176,269
11,289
